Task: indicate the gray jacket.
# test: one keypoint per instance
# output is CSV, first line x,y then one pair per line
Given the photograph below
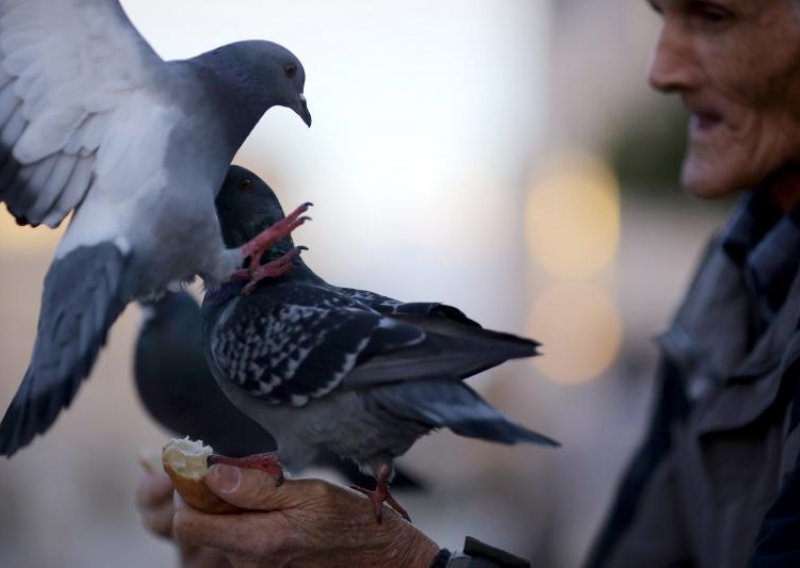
x,y
716,483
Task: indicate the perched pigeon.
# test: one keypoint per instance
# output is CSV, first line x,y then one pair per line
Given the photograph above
x,y
179,392
349,371
93,121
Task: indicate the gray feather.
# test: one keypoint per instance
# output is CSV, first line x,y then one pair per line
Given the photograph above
x,y
84,293
72,193
53,187
8,103
453,405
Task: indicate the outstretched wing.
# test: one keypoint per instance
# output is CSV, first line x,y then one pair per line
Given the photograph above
x,y
84,293
67,70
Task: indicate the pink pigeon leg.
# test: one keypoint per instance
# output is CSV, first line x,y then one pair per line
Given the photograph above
x,y
255,248
382,494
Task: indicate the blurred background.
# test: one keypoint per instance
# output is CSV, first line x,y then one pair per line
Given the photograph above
x,y
505,157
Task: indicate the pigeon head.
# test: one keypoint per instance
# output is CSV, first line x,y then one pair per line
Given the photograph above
x,y
246,205
255,75
275,71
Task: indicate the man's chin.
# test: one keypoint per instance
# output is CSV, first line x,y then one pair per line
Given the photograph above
x,y
708,180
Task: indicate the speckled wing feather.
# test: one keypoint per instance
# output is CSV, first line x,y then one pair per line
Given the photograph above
x,y
301,340
370,300
297,341
455,346
389,306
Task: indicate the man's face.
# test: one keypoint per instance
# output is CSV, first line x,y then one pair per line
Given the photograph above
x,y
736,66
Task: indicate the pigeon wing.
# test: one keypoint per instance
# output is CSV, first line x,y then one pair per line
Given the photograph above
x,y
454,346
291,352
371,300
69,70
389,306
295,342
83,294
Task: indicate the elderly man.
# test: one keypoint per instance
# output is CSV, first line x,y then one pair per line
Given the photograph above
x,y
717,481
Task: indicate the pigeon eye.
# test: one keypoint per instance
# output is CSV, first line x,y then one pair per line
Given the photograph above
x,y
244,183
290,70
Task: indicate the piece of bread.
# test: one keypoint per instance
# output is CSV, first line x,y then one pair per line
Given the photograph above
x,y
186,463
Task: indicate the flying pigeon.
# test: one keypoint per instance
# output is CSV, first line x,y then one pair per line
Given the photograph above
x,y
340,369
177,389
93,121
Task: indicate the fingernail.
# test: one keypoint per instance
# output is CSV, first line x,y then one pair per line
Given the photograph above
x,y
225,477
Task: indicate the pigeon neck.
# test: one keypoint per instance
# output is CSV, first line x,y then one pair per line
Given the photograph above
x,y
217,295
234,94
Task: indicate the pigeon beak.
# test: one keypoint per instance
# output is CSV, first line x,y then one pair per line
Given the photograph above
x,y
302,110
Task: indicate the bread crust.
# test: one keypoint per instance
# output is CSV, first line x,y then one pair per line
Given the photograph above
x,y
188,475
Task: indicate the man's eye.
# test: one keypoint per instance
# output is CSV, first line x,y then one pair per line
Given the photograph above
x,y
656,7
709,13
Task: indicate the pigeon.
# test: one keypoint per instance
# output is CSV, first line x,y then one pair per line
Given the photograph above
x,y
178,391
94,122
340,369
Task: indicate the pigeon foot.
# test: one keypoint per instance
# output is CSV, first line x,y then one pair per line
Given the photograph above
x,y
272,269
255,248
267,462
382,495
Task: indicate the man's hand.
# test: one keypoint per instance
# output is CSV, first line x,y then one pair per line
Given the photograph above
x,y
155,503
154,499
300,523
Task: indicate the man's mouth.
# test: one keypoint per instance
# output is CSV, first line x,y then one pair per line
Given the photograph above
x,y
703,123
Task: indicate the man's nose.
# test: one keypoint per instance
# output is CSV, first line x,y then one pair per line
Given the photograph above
x,y
674,65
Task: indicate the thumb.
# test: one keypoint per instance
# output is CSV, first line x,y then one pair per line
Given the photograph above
x,y
254,489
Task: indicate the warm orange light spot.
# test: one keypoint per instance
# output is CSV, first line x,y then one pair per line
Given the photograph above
x,y
581,331
573,217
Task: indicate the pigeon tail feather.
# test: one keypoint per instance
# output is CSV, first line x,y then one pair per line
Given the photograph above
x,y
451,404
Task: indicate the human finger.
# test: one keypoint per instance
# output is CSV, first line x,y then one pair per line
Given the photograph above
x,y
253,534
158,520
153,490
255,489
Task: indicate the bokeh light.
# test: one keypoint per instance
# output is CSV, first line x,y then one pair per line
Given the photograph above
x,y
573,216
572,228
580,328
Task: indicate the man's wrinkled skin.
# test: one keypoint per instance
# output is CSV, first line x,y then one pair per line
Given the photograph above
x,y
156,503
301,523
736,66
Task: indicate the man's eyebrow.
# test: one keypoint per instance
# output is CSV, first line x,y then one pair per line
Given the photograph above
x,y
653,4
